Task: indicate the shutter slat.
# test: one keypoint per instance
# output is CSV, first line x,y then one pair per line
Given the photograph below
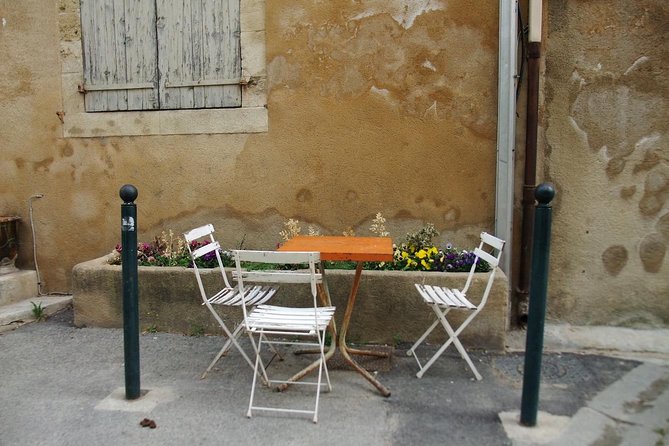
x,y
141,54
118,99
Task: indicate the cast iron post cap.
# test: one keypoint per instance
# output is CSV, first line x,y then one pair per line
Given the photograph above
x,y
128,193
544,193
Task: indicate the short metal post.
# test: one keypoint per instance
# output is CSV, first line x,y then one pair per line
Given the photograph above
x,y
537,310
128,194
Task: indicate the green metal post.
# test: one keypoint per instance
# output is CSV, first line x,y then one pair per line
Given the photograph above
x,y
534,343
128,194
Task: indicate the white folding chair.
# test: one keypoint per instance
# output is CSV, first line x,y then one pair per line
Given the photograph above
x,y
200,242
442,300
270,324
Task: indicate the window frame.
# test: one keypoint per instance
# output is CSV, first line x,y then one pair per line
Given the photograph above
x,y
251,117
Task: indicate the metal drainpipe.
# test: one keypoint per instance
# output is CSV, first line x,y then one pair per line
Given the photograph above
x,y
506,127
523,287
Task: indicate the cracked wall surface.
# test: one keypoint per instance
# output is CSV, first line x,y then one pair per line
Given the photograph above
x,y
606,121
374,106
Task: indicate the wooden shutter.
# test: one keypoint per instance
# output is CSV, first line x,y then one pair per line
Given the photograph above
x,y
199,53
120,56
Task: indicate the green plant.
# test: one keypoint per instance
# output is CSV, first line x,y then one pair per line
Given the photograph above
x,y
379,226
422,238
168,250
196,330
292,229
152,328
38,312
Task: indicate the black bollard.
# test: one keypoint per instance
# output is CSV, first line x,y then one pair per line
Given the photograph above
x,y
128,194
534,343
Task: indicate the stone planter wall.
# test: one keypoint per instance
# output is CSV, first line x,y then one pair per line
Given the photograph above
x,y
388,308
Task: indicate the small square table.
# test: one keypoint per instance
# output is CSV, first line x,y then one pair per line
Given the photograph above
x,y
359,250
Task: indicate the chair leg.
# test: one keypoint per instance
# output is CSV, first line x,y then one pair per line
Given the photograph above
x,y
322,367
412,350
224,350
453,338
232,337
258,365
253,382
441,350
318,390
324,360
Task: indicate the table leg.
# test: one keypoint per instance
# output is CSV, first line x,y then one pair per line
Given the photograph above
x,y
345,350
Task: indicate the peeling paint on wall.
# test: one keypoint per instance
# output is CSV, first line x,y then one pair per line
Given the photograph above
x,y
607,132
402,11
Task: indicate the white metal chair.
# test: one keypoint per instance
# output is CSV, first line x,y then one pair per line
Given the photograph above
x,y
270,324
200,242
442,300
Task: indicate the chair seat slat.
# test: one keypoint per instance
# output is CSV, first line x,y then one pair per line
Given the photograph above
x,y
231,296
437,296
463,299
457,299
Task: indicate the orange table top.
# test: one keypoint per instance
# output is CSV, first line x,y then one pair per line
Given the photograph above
x,y
358,249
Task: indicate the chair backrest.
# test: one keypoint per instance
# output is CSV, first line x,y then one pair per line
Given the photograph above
x,y
200,242
303,275
490,250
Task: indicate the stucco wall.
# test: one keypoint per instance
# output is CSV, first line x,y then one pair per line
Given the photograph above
x,y
376,106
607,151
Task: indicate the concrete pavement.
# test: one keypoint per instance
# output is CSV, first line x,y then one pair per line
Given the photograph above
x,y
62,385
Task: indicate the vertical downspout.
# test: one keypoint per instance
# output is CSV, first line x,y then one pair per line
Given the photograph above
x,y
530,171
506,128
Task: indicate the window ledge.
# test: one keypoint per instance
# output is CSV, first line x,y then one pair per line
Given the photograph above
x,y
166,122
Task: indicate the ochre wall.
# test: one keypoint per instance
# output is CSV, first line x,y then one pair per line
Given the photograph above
x,y
376,106
606,145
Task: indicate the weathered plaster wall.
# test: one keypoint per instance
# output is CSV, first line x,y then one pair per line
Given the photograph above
x,y
375,106
607,150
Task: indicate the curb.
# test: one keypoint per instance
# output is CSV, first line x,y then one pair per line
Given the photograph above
x,y
19,313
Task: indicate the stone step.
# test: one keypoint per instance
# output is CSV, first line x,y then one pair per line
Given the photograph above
x,y
17,286
18,313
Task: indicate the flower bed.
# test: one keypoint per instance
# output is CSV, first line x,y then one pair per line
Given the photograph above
x,y
388,308
416,253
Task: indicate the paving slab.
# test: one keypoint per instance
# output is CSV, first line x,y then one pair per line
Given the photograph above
x,y
633,410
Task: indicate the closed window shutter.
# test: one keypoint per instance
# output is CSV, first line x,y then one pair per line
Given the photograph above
x,y
120,55
199,53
